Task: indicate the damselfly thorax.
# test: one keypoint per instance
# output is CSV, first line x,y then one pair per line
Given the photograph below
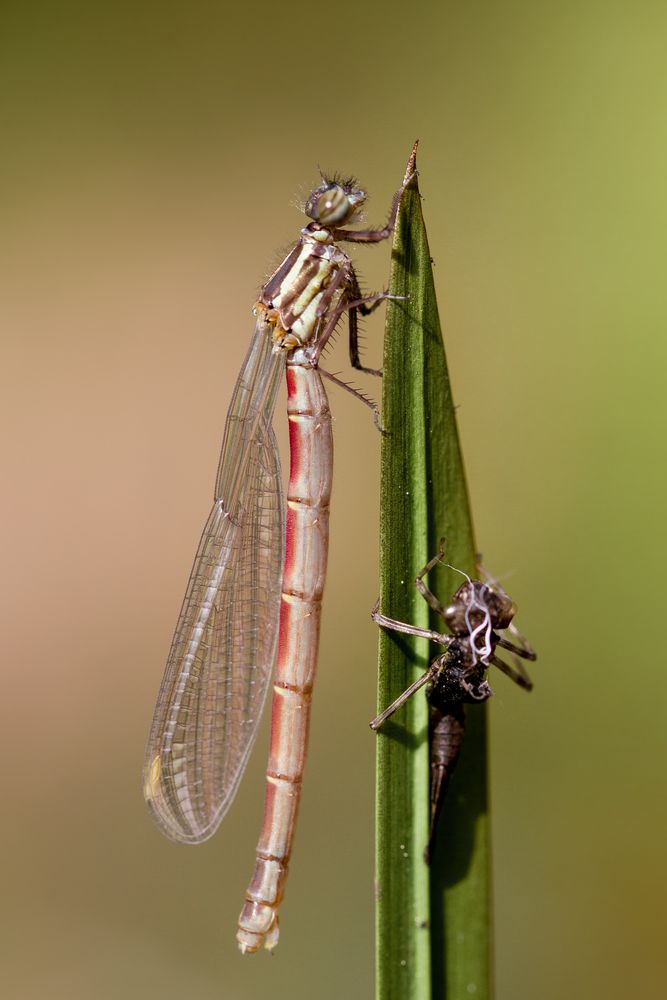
x,y
317,274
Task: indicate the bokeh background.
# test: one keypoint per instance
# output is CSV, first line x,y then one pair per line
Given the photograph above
x,y
152,158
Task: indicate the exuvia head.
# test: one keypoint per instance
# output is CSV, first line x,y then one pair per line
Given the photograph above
x,y
335,201
474,602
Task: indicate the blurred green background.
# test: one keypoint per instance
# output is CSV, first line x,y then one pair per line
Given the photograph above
x,y
152,158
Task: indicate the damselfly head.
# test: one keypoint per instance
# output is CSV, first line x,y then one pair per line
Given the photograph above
x,y
334,202
474,602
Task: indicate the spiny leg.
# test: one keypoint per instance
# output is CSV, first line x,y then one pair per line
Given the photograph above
x,y
427,594
483,571
524,651
402,698
395,626
404,627
376,235
344,305
358,395
488,578
518,674
364,310
524,648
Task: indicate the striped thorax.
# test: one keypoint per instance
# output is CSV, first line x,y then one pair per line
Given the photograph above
x,y
304,290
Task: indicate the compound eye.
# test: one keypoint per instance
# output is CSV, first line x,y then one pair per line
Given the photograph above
x,y
329,205
504,612
332,206
454,615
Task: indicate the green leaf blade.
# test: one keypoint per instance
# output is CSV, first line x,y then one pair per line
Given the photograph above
x,y
433,936
404,963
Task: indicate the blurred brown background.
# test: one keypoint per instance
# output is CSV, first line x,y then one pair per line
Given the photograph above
x,y
152,156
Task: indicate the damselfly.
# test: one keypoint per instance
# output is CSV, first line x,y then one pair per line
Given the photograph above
x,y
241,607
478,612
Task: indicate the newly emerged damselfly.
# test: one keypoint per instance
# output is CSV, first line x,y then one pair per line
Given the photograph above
x,y
255,590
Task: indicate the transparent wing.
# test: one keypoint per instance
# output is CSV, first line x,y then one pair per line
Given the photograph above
x,y
222,654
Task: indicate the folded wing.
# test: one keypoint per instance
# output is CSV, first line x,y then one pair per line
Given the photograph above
x,y
222,654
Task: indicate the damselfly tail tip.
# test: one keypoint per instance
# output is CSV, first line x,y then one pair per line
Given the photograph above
x,y
272,935
248,944
258,926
